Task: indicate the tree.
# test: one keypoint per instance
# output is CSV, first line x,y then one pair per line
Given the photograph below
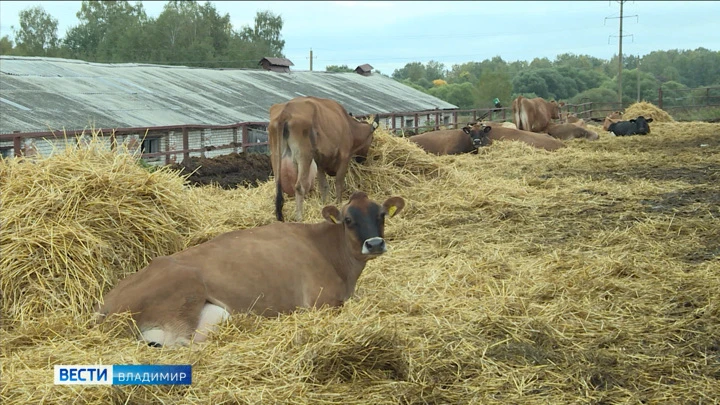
x,y
338,69
493,85
265,32
530,82
460,95
413,71
109,31
6,46
597,95
37,35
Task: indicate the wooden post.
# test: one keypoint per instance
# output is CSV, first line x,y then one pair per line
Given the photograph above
x,y
17,144
235,148
244,137
417,123
437,121
167,148
474,115
185,143
455,118
392,116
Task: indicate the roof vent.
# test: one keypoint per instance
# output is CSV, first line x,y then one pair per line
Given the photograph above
x,y
364,70
276,64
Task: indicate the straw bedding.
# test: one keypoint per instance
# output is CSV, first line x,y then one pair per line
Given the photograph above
x,y
585,275
647,110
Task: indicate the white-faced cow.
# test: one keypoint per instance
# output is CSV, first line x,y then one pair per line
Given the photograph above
x,y
541,141
267,270
451,141
571,131
637,126
307,130
534,114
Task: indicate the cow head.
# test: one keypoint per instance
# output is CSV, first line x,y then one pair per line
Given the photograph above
x,y
364,223
478,134
555,109
366,131
641,125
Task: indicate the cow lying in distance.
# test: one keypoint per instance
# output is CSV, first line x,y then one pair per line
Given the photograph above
x,y
451,141
267,270
571,131
541,141
572,119
534,114
637,126
612,118
503,124
307,130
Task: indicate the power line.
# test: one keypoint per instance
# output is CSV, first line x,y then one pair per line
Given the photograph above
x,y
620,42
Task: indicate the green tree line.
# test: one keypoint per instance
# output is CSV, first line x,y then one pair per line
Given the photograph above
x,y
570,77
186,32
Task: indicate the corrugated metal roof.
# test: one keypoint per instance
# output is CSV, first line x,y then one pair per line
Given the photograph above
x,y
40,94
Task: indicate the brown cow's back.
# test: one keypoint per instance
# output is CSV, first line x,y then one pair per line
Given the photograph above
x,y
570,131
537,140
444,142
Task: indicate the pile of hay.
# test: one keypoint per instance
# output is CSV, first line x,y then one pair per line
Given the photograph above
x,y
76,222
584,275
647,110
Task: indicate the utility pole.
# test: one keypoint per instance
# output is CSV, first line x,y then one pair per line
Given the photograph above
x,y
620,43
311,59
638,77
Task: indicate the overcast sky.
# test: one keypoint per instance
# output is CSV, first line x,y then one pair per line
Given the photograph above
x,y
389,34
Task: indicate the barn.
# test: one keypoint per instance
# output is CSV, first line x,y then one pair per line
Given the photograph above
x,y
161,108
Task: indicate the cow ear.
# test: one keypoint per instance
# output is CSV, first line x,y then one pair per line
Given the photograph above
x,y
331,214
649,120
393,205
466,130
486,129
376,122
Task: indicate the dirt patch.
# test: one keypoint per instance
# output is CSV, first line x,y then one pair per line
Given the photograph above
x,y
228,171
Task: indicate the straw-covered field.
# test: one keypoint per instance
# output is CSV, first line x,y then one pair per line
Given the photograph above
x,y
515,276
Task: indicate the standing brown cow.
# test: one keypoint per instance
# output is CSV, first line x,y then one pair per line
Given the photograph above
x,y
534,114
311,129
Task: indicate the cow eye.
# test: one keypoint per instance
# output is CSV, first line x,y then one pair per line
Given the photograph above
x,y
348,221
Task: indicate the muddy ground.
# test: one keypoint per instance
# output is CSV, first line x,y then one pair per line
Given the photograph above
x,y
227,171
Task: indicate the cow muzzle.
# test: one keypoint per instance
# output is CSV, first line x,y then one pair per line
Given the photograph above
x,y
374,246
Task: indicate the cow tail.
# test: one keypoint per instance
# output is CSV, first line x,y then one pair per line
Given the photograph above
x,y
516,105
279,198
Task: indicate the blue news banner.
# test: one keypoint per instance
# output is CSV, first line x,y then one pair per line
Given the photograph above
x,y
121,374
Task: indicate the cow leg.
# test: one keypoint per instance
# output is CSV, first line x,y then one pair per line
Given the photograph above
x,y
340,180
322,183
303,184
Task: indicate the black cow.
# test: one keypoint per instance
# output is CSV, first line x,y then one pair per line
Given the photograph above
x,y
638,126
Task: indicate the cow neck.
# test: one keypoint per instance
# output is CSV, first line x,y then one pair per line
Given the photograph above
x,y
346,265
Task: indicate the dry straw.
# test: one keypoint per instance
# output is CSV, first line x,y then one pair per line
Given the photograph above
x,y
584,275
647,110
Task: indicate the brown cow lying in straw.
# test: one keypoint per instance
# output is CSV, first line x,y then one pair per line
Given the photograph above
x,y
541,141
451,141
571,131
268,270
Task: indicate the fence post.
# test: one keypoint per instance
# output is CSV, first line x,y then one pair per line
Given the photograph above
x,y
167,147
185,143
660,97
17,142
235,148
707,96
244,136
455,118
437,120
392,116
417,123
